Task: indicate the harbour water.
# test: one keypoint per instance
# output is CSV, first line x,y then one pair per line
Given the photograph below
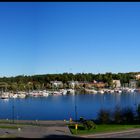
x,y
63,107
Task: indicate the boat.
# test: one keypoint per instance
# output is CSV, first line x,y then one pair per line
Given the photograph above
x,y
45,94
4,96
22,95
101,91
15,95
91,91
71,91
57,93
64,91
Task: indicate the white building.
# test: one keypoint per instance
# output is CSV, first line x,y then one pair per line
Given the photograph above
x,y
137,76
132,83
56,84
117,83
72,84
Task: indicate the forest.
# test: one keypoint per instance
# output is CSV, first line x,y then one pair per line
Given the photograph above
x,y
34,82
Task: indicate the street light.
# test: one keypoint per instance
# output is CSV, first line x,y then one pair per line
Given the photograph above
x,y
75,109
13,111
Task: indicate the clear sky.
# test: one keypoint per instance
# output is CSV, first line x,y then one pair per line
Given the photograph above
x,y
57,37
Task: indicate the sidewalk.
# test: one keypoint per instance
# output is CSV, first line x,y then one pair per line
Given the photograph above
x,y
123,133
37,129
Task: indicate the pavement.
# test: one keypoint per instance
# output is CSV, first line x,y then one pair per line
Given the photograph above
x,y
133,133
39,129
55,129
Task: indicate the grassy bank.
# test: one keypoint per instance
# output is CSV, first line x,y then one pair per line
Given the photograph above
x,y
8,127
101,128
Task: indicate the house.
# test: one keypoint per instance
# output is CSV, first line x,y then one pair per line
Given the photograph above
x,y
100,84
93,84
56,84
137,76
72,84
132,83
116,83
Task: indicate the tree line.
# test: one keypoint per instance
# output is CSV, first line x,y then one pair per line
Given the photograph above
x,y
24,82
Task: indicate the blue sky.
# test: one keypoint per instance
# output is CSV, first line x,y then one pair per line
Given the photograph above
x,y
57,37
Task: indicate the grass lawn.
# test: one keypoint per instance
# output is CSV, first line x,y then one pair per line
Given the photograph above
x,y
8,127
100,128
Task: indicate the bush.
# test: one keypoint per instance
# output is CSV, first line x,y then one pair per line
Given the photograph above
x,y
117,115
127,115
138,112
89,125
81,119
104,116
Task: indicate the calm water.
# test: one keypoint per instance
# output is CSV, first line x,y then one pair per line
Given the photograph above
x,y
63,107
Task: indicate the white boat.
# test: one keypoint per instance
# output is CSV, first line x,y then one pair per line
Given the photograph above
x,y
4,96
91,91
132,90
57,93
11,95
22,95
111,91
118,91
45,94
72,91
15,95
101,91
64,92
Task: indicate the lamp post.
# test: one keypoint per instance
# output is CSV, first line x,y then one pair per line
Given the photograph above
x,y
13,111
75,109
75,104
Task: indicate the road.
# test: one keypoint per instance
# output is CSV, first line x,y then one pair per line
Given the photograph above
x,y
133,133
56,129
39,129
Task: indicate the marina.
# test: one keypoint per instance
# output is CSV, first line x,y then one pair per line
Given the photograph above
x,y
46,93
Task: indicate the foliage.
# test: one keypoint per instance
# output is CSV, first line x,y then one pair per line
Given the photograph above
x,y
88,124
23,82
117,115
104,116
138,109
102,128
138,84
120,116
82,119
127,115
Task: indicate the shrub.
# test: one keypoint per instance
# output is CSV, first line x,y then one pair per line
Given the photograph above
x,y
127,115
104,116
117,115
81,119
89,124
138,111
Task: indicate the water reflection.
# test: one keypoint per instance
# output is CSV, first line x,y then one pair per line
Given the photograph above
x,y
63,107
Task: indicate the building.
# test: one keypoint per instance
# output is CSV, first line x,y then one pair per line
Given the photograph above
x,y
137,76
116,83
56,84
93,84
100,84
72,84
132,83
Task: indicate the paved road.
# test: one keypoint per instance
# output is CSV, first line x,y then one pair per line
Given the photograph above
x,y
133,133
41,130
57,129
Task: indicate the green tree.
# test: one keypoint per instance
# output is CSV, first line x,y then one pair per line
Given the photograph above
x,y
117,115
138,112
138,83
88,124
29,86
104,116
127,115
